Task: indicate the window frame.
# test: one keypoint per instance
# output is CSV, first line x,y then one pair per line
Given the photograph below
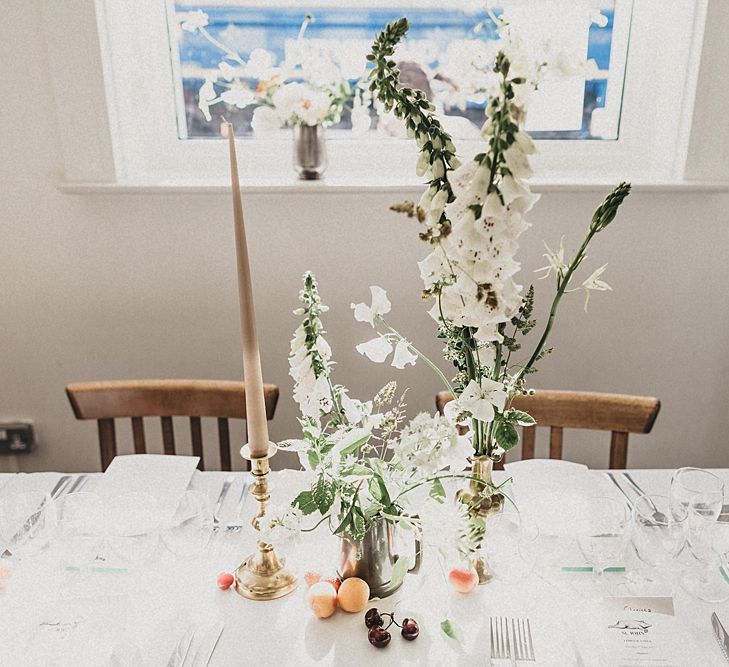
x,y
134,114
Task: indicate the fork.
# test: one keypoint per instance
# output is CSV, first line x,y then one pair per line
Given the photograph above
x,y
237,527
511,639
223,492
78,484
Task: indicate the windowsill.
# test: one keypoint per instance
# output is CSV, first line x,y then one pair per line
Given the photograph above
x,y
333,185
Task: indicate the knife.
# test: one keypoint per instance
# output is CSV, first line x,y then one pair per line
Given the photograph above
x,y
208,644
179,654
721,635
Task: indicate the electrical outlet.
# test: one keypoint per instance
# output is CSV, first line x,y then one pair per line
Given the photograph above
x,y
16,437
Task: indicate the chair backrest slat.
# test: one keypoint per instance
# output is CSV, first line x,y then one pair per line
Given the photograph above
x,y
140,444
528,436
136,399
618,450
196,438
168,435
555,442
224,442
619,413
107,441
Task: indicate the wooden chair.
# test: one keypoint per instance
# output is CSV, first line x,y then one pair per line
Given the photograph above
x,y
619,413
136,399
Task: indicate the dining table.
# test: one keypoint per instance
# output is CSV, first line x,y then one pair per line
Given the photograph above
x,y
53,612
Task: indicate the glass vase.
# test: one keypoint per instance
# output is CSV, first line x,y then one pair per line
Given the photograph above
x,y
310,151
483,503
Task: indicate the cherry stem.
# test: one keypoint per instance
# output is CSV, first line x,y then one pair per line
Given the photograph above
x,y
392,620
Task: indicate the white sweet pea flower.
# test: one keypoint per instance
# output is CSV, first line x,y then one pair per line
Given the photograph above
x,y
259,65
380,306
403,356
205,96
556,261
239,96
594,283
265,121
377,349
191,21
227,71
477,402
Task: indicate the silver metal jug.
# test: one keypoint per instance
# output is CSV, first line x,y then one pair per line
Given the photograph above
x,y
373,558
310,151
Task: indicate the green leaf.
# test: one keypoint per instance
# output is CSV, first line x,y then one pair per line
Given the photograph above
x,y
357,469
356,443
305,502
521,418
437,492
379,490
359,527
451,630
323,494
313,457
506,434
399,570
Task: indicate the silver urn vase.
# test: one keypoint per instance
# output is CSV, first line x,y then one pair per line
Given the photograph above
x,y
374,557
310,151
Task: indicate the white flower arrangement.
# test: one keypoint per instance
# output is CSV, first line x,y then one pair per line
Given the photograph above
x,y
362,460
473,215
302,90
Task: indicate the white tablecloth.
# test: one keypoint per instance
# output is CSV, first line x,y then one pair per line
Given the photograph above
x,y
151,606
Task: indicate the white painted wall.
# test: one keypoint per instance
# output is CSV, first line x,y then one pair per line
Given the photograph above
x,y
131,286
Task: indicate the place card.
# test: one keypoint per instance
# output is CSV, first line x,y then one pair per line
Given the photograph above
x,y
642,632
165,478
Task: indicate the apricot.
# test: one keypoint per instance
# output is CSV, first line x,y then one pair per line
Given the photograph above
x,y
464,580
311,577
322,599
354,594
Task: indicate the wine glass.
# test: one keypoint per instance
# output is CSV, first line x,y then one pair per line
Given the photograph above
x,y
510,546
602,533
695,487
133,525
189,529
709,540
658,532
80,527
27,523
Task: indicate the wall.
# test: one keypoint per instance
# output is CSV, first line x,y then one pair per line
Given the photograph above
x,y
125,286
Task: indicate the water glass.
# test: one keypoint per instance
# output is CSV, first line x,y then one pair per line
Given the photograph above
x,y
698,488
602,533
80,527
27,523
510,546
133,526
710,548
659,531
189,529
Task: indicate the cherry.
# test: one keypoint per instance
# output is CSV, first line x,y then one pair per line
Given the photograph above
x,y
410,629
373,618
378,637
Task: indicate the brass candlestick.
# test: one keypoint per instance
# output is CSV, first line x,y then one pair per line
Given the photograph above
x,y
262,576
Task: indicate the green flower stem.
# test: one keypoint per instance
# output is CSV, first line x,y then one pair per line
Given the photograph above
x,y
420,355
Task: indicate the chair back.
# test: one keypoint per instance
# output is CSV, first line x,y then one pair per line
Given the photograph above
x,y
137,399
620,414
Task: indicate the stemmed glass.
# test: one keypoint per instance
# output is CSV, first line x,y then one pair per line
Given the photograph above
x,y
602,533
80,523
510,546
133,521
189,529
695,487
709,539
27,523
659,532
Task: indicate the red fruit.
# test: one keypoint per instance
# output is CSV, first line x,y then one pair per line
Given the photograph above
x,y
464,580
378,637
410,629
225,581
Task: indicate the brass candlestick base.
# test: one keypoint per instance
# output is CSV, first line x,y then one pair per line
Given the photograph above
x,y
262,575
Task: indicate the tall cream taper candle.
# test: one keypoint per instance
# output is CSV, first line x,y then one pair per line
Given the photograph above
x,y
255,402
